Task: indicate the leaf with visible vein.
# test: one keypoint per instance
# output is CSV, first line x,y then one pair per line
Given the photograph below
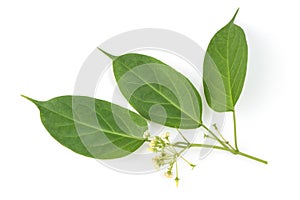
x,y
92,127
225,66
157,91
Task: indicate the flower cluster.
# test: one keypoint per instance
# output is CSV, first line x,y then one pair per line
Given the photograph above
x,y
158,144
161,160
166,153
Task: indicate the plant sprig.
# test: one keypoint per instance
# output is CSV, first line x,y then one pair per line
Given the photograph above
x,y
102,130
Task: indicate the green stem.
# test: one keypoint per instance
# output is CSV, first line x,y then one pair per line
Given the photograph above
x,y
208,146
176,179
190,164
252,157
212,133
227,149
224,140
183,136
235,134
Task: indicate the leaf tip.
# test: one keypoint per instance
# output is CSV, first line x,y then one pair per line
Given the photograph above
x,y
30,99
234,16
107,54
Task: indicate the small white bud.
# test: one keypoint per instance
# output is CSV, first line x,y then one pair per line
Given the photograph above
x,y
168,174
146,134
166,135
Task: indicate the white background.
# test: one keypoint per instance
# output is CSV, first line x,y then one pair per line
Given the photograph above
x,y
42,47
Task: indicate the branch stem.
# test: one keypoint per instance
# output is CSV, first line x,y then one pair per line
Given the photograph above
x,y
216,137
229,150
234,129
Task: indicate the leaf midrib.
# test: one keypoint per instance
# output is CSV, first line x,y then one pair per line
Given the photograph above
x,y
227,63
96,128
171,102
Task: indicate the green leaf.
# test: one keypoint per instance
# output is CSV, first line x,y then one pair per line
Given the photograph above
x,y
225,66
157,91
91,127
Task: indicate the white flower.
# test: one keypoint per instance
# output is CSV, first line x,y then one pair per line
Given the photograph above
x,y
176,181
146,134
157,144
166,135
168,174
158,161
152,144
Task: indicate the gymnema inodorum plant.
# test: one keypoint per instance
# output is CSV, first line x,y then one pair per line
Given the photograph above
x,y
158,93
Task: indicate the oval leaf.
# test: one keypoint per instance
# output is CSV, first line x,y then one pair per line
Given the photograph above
x,y
91,127
225,66
157,91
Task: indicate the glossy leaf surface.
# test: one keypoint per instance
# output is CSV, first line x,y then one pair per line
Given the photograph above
x,y
157,91
92,127
225,67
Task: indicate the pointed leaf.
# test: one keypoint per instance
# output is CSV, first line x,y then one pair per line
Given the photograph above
x,y
157,91
91,127
225,66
